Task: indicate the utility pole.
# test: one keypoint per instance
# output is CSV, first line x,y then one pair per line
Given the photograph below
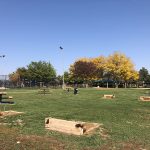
x,y
63,84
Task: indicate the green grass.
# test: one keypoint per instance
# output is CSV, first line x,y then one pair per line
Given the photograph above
x,y
125,119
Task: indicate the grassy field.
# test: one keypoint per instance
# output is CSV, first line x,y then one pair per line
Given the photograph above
x,y
126,121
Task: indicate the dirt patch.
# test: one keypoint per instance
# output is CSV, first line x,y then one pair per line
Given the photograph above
x,y
38,142
140,88
5,124
142,110
9,113
10,139
130,146
100,88
104,133
120,146
70,127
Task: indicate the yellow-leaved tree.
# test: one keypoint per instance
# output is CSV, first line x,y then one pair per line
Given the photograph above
x,y
100,64
116,67
120,68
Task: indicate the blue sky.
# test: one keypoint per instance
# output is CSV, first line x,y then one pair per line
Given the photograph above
x,y
33,30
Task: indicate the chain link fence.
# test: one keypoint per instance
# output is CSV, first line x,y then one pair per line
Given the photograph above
x,y
4,81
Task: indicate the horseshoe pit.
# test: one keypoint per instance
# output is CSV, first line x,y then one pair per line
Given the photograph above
x,y
109,96
70,127
9,113
145,98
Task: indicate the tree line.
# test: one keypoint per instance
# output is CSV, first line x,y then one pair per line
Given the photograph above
x,y
33,74
117,68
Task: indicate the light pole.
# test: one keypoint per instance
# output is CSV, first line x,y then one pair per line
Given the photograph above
x,y
2,56
63,85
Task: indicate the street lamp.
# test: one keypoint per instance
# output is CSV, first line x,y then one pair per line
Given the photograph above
x,y
63,85
2,56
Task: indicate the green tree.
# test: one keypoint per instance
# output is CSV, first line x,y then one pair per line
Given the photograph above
x,y
143,74
41,71
66,76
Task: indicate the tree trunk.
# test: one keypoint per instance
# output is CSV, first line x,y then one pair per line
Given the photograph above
x,y
125,85
107,85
